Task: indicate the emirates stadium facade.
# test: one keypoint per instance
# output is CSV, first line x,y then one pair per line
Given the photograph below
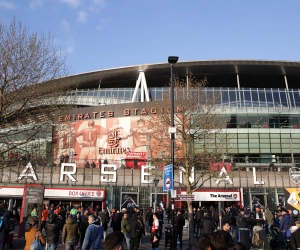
x,y
261,101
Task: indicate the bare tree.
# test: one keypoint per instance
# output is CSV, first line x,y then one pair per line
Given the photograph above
x,y
200,141
31,82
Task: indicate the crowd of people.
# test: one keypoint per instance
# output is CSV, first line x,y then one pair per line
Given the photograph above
x,y
86,228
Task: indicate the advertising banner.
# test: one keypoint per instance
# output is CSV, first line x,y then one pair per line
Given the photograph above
x,y
124,141
216,196
292,200
168,178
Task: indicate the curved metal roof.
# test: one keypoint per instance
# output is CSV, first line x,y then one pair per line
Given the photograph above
x,y
252,73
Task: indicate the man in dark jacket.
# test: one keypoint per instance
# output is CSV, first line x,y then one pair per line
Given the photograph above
x,y
83,225
179,222
7,226
207,224
52,229
285,222
136,231
104,220
199,216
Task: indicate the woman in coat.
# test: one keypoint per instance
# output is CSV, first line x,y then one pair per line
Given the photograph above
x,y
32,232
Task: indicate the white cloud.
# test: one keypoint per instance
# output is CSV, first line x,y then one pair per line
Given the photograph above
x,y
96,5
7,5
82,16
72,3
65,25
70,49
35,4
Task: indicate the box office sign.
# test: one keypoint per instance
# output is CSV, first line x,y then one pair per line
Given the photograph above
x,y
216,196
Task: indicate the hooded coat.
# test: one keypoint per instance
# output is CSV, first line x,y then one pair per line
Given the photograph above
x,y
52,229
7,226
70,230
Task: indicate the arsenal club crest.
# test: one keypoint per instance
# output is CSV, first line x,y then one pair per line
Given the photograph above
x,y
295,175
234,196
98,193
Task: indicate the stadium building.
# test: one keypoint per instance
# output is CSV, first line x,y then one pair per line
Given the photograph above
x,y
92,167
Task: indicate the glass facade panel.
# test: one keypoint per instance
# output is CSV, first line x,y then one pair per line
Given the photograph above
x,y
243,140
243,136
265,150
264,140
243,150
265,145
240,145
264,135
254,150
275,141
275,135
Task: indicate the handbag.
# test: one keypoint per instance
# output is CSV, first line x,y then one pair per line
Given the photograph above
x,y
36,245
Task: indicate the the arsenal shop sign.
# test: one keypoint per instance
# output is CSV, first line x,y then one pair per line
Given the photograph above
x,y
216,196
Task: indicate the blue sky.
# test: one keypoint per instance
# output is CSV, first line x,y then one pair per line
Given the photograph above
x,y
101,34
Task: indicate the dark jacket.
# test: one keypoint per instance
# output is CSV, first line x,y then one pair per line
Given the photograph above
x,y
104,219
136,227
149,217
296,236
7,226
179,222
83,223
70,230
207,224
117,221
286,222
52,228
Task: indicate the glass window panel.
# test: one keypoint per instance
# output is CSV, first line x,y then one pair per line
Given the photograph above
x,y
253,141
253,145
243,150
264,135
285,146
240,145
285,150
254,98
243,135
297,97
276,98
247,99
265,146
242,121
283,98
275,145
285,136
262,98
225,100
262,140
253,120
265,150
121,93
269,99
296,146
275,135
243,140
232,97
253,136
275,140
254,150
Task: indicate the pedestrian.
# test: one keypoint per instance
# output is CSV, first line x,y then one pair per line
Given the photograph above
x,y
94,235
114,241
7,227
155,234
70,233
105,220
259,228
84,223
32,232
45,214
136,231
227,229
52,228
269,222
179,222
207,224
125,229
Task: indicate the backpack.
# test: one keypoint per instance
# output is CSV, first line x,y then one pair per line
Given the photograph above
x,y
291,242
1,222
256,241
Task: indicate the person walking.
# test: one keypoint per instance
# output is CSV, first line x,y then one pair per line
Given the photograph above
x,y
207,224
70,233
83,226
136,231
52,228
7,226
155,235
105,220
179,222
45,214
94,234
125,229
33,232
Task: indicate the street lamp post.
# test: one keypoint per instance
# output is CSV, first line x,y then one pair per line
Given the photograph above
x,y
155,182
172,60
